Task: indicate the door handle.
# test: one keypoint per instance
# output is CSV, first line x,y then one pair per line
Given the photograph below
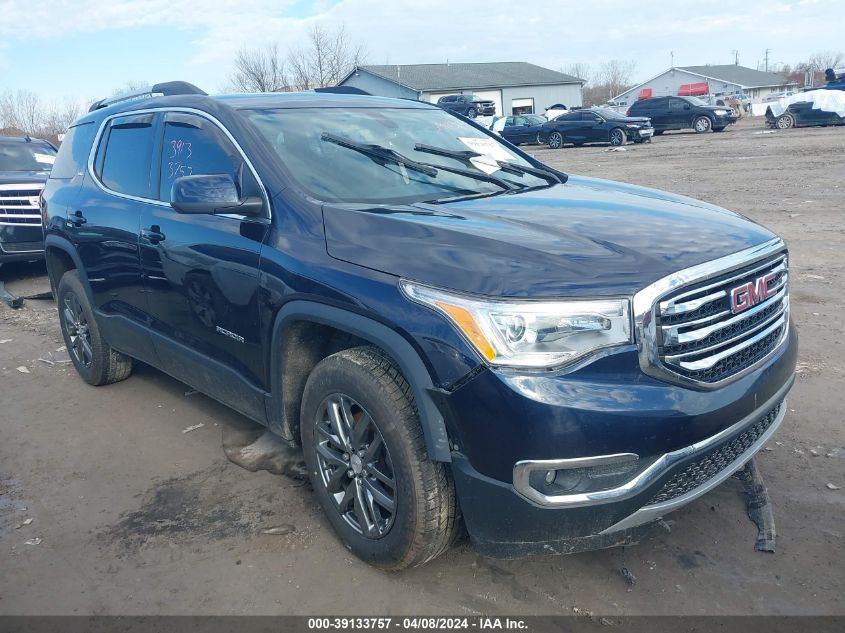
x,y
153,234
77,219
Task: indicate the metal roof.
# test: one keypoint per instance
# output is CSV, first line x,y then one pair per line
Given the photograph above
x,y
427,77
740,75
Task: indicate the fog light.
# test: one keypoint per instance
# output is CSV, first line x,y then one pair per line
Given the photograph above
x,y
577,478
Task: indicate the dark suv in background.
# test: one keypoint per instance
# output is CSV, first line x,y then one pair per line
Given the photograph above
x,y
450,329
681,113
24,166
468,105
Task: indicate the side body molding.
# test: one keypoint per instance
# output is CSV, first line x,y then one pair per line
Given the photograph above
x,y
400,350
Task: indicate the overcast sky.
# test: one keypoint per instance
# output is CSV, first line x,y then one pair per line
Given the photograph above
x,y
88,48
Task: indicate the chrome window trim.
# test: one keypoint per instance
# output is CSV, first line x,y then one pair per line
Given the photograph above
x,y
205,115
646,300
522,469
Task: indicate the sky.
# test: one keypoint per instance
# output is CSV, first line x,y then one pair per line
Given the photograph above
x,y
87,49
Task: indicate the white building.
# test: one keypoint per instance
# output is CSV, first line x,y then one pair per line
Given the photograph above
x,y
515,87
725,79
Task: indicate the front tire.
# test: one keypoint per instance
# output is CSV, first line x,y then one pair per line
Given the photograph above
x,y
95,361
702,124
387,501
618,137
555,140
785,121
471,113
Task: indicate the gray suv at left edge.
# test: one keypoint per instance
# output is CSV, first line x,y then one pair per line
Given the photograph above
x,y
25,164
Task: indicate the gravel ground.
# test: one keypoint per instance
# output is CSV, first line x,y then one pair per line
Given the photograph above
x,y
132,516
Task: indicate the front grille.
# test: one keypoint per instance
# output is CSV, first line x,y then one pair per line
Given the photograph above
x,y
19,205
700,338
711,463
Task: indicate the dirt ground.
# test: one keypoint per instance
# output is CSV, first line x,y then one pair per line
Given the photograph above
x,y
131,515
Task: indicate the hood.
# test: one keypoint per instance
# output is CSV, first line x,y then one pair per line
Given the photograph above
x,y
23,177
586,237
635,119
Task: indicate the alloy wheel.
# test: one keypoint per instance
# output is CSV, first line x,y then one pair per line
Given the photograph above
x,y
355,466
616,137
555,140
75,326
702,124
785,122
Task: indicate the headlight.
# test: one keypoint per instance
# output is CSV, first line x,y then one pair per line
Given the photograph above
x,y
721,112
515,333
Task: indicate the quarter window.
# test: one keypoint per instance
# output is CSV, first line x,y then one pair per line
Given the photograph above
x,y
124,156
192,145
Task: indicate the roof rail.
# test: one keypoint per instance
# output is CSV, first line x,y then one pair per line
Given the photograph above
x,y
165,89
343,90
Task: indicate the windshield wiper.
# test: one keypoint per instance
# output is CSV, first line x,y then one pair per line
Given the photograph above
x,y
506,166
378,152
544,174
450,153
388,155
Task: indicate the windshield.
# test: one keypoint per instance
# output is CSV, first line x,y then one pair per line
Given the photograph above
x,y
476,98
316,145
19,156
695,101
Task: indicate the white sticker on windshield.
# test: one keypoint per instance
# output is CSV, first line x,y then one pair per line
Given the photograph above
x,y
490,151
47,159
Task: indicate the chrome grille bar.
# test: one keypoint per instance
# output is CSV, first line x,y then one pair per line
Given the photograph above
x,y
16,204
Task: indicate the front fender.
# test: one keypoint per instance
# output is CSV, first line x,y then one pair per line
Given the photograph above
x,y
394,344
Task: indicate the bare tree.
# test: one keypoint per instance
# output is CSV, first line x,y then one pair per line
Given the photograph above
x,y
325,59
259,70
614,76
581,70
823,60
21,110
133,85
24,111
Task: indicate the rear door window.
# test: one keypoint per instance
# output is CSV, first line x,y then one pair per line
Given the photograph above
x,y
193,145
123,161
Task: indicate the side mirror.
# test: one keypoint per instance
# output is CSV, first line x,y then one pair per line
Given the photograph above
x,y
686,106
211,193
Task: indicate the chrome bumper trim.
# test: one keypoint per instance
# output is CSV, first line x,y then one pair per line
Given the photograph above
x,y
523,469
647,514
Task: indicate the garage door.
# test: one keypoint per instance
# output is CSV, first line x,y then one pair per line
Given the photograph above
x,y
493,95
522,106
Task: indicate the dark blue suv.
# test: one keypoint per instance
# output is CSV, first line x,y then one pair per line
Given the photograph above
x,y
451,330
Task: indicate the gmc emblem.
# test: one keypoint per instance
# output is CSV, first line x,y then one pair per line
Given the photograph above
x,y
752,293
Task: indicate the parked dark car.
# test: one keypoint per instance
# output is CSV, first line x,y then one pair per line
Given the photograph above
x,y
556,362
24,165
802,114
469,105
523,128
596,125
681,113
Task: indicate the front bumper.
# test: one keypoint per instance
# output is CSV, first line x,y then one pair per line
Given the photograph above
x,y
693,440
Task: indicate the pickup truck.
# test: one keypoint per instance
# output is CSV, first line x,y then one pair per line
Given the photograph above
x,y
452,331
24,165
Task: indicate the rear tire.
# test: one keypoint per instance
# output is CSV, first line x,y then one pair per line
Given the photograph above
x,y
95,361
390,505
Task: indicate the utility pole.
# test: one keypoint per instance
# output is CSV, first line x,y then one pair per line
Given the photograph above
x,y
768,50
672,59
736,57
